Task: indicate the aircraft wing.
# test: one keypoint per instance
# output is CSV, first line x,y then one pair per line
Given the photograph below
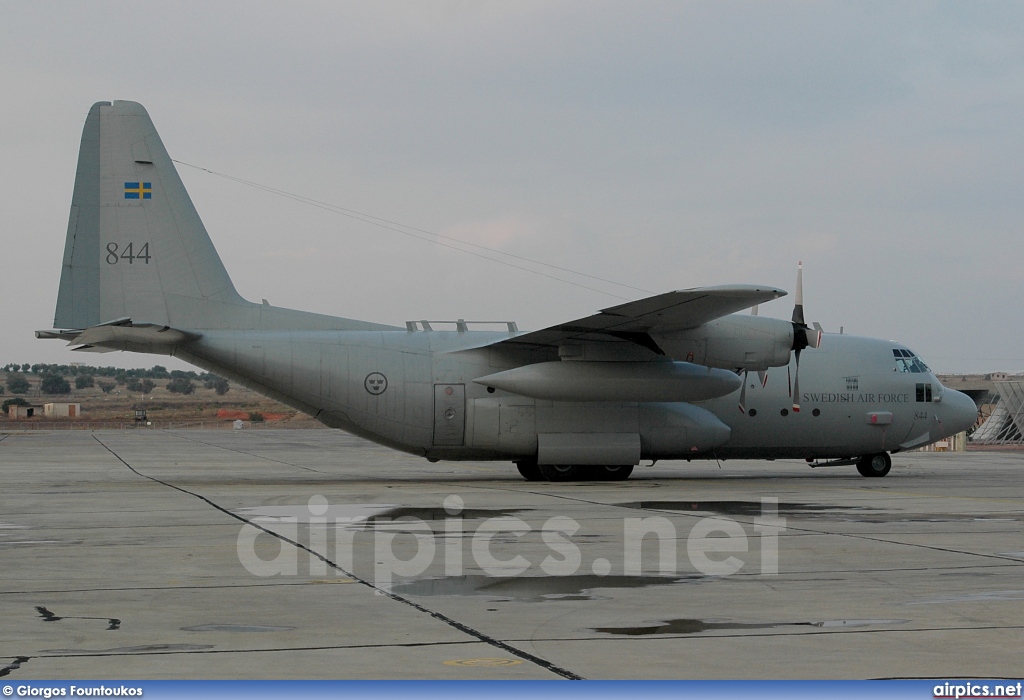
x,y
634,320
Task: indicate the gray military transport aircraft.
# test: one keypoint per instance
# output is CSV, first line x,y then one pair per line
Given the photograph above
x,y
675,376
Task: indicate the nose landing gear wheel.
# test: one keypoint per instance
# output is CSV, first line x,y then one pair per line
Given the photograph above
x,y
875,465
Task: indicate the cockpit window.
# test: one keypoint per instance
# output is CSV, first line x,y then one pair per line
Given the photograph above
x,y
907,361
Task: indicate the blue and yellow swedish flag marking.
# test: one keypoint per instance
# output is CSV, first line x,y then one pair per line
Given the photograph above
x,y
138,190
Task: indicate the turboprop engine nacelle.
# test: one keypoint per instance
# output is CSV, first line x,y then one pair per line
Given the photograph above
x,y
570,380
733,342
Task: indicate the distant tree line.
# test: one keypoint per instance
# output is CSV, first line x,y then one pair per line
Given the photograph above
x,y
154,372
53,379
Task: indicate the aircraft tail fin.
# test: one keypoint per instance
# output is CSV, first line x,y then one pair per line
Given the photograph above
x,y
136,247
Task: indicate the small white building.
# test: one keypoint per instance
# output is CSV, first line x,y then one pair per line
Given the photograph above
x,y
954,443
62,410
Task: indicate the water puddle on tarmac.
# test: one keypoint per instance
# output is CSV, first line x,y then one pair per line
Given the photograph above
x,y
141,649
434,513
979,597
236,628
684,626
813,511
361,515
534,588
742,508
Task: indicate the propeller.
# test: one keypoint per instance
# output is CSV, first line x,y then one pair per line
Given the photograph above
x,y
761,375
804,336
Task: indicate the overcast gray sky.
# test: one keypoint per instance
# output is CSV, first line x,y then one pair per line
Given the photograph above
x,y
663,145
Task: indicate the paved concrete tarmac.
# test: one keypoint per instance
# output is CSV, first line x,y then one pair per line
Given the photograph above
x,y
313,554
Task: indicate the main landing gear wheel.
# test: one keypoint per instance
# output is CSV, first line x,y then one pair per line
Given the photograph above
x,y
875,465
613,473
581,472
563,472
530,471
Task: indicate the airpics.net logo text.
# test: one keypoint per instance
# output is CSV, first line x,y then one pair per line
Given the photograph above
x,y
317,537
966,689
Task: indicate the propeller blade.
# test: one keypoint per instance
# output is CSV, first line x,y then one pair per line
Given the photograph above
x,y
789,382
763,376
803,335
753,311
813,337
798,307
796,385
743,394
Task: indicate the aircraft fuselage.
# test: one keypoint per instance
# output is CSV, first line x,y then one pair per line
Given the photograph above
x,y
415,391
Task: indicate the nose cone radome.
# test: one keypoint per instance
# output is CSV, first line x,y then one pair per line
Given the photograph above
x,y
958,412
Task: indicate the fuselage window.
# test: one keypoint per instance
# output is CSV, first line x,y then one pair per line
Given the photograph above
x,y
924,393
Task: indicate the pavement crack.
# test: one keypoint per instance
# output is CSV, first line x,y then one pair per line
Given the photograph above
x,y
243,452
142,651
14,666
48,616
439,616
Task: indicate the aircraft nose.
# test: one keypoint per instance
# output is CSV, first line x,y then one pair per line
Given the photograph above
x,y
958,411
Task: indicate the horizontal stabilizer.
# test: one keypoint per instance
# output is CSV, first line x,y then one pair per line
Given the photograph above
x,y
122,334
